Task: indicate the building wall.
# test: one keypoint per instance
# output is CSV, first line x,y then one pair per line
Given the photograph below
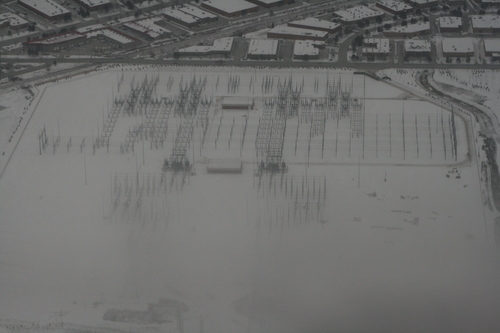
x,y
458,54
406,34
176,20
291,24
294,37
226,14
275,4
485,30
459,29
56,46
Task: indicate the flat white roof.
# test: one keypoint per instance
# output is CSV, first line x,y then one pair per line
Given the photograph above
x,y
148,27
305,47
395,5
197,12
120,38
492,45
48,7
93,3
230,6
485,21
458,45
181,16
263,47
314,22
14,19
418,45
411,28
450,22
220,45
357,13
284,29
382,45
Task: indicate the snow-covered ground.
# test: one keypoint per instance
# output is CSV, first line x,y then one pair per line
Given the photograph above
x,y
361,227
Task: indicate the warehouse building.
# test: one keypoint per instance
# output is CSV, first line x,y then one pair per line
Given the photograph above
x,y
306,49
233,8
13,21
492,48
417,48
458,47
271,3
179,17
410,30
450,24
313,23
263,49
93,5
357,14
201,15
287,32
46,8
485,24
422,3
148,28
394,7
222,46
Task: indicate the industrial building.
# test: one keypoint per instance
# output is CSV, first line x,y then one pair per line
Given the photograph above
x,y
422,3
313,23
222,46
180,17
394,7
94,5
263,49
271,3
417,48
148,28
233,8
13,21
492,48
201,15
376,47
485,24
287,32
410,30
357,14
306,49
458,47
48,9
450,24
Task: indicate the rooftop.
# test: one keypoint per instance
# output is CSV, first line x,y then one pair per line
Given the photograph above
x,y
284,29
417,45
458,45
485,21
181,16
148,27
423,2
395,5
112,34
305,47
58,38
47,7
197,12
231,6
357,13
263,47
382,45
450,22
411,28
13,19
314,22
93,3
492,45
219,45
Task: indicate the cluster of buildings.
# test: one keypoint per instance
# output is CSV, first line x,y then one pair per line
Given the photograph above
x,y
12,21
236,8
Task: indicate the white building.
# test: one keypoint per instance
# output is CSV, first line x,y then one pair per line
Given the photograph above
x,y
417,47
232,8
485,23
492,47
458,47
306,49
148,27
450,24
313,23
49,9
394,7
221,46
376,47
287,32
357,14
12,21
410,30
263,49
202,15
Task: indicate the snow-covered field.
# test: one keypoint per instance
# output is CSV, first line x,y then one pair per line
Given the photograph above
x,y
363,233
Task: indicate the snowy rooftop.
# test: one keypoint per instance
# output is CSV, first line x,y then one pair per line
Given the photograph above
x,y
181,16
59,38
230,6
382,45
305,47
197,12
492,45
485,21
395,5
357,13
314,22
93,3
14,19
450,22
459,45
263,47
412,28
148,26
48,7
423,2
91,28
284,29
112,34
220,45
417,45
